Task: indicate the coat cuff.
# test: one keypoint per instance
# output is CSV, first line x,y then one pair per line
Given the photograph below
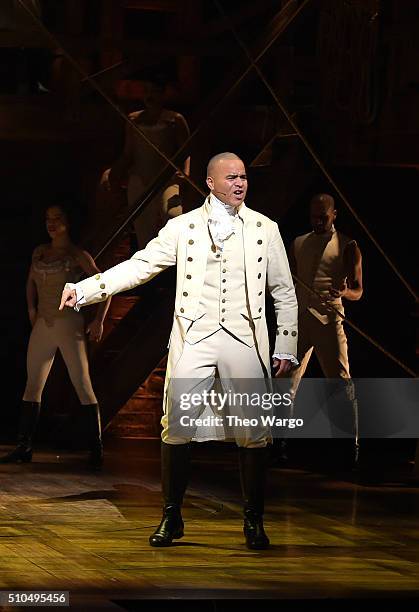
x,y
80,299
291,358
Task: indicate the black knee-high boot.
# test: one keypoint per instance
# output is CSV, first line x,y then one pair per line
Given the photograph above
x,y
95,435
27,425
253,464
175,474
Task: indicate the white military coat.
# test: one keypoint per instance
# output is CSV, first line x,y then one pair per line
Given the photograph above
x,y
184,241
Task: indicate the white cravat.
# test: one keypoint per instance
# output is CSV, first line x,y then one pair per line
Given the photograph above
x,y
221,221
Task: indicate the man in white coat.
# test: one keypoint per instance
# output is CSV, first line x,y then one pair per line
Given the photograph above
x,y
226,256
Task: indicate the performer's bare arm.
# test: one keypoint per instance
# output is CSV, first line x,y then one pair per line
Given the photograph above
x,y
95,327
351,288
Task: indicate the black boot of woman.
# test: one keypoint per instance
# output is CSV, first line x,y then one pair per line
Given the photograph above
x,y
27,426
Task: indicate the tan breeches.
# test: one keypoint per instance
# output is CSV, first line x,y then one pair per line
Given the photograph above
x,y
329,343
67,335
163,207
239,369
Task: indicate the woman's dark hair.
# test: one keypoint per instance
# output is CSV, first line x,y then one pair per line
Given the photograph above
x,y
71,208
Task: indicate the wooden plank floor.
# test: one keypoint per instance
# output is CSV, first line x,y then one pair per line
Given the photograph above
x,y
62,527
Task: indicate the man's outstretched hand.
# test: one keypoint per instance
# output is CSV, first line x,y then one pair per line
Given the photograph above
x,y
282,367
68,298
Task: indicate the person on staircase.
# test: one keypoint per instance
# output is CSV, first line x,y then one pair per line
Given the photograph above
x,y
54,264
141,164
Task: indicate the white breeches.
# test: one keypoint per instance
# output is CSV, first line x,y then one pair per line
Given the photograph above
x,y
239,369
67,335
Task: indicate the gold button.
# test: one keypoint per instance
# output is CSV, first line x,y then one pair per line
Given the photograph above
x,y
188,276
259,275
185,293
191,225
190,242
224,290
222,320
223,300
190,259
224,260
260,259
259,241
97,277
182,310
260,293
224,270
224,280
223,309
294,333
259,224
285,332
102,285
103,295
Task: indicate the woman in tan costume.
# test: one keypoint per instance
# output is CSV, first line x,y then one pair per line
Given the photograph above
x,y
53,265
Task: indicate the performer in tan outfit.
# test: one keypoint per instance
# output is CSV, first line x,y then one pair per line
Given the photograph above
x,y
226,255
330,263
54,264
168,130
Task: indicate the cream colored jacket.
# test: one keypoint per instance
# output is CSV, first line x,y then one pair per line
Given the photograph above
x,y
184,241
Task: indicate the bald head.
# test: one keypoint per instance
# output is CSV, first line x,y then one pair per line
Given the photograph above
x,y
322,213
323,200
226,178
215,161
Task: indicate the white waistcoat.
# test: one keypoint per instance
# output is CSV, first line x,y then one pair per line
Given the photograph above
x,y
224,293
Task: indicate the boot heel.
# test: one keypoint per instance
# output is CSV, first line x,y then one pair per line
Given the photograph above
x,y
178,534
170,528
27,425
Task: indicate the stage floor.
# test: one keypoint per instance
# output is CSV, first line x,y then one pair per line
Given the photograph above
x,y
333,538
